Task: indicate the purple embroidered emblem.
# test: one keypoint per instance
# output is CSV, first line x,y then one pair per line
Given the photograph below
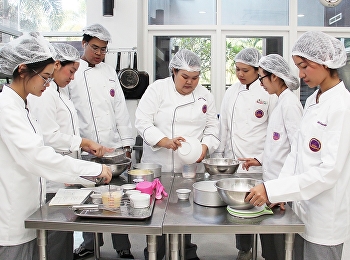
x,y
259,113
315,145
204,109
276,136
112,92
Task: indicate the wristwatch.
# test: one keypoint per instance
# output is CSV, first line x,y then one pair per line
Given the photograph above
x,y
127,149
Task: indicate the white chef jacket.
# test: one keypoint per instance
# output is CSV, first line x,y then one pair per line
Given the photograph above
x,y
164,112
283,123
316,174
23,160
100,103
58,120
243,122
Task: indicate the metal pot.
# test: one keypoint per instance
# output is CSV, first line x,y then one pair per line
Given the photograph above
x,y
128,77
135,176
155,168
206,194
116,168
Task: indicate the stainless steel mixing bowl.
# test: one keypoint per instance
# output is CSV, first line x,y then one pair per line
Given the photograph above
x,y
220,165
116,168
234,190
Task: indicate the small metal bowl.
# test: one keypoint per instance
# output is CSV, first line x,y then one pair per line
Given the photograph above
x,y
216,166
234,190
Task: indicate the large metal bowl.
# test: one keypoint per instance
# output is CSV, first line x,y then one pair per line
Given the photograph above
x,y
216,166
116,168
234,190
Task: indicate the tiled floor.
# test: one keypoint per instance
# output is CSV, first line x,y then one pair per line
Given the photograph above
x,y
210,247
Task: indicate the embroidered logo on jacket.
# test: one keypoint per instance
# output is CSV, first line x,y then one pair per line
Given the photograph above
x,y
204,109
276,136
259,113
112,92
315,145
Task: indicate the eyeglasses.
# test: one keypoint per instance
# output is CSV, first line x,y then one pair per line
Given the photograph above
x,y
96,49
46,81
261,78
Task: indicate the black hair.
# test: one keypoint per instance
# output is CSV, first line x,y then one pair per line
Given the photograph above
x,y
87,38
37,66
66,62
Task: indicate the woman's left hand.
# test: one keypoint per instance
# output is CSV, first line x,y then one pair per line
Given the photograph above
x,y
257,195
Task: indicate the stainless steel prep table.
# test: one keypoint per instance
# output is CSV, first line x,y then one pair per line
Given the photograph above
x,y
64,219
186,217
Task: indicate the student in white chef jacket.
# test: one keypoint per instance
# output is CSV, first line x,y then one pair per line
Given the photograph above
x,y
316,175
103,115
58,120
23,156
276,78
244,115
170,109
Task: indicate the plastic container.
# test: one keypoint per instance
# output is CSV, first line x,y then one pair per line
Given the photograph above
x,y
139,201
189,170
145,187
111,196
130,192
183,194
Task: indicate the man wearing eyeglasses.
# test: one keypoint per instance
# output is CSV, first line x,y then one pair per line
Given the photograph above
x,y
103,115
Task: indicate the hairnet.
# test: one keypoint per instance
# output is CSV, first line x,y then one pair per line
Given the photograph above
x,y
321,48
185,60
66,52
275,64
98,31
249,56
26,49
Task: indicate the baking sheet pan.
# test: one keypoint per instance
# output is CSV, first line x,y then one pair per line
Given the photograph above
x,y
124,212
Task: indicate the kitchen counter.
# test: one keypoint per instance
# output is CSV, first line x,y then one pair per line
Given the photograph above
x,y
63,218
186,217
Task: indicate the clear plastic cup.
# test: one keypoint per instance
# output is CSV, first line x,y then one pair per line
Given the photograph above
x,y
189,170
111,196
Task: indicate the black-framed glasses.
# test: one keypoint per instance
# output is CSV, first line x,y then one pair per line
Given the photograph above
x,y
46,81
261,78
96,49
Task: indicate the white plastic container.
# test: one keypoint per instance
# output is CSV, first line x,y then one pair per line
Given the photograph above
x,y
183,194
139,201
189,170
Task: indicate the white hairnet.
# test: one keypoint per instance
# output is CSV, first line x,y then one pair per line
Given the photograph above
x,y
321,48
98,31
249,56
26,49
66,52
185,60
275,64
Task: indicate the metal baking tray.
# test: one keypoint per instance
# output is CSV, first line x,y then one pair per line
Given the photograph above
x,y
124,212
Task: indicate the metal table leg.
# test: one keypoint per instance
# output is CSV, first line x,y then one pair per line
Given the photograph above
x,y
289,245
41,240
174,246
152,247
255,246
182,246
167,254
97,247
